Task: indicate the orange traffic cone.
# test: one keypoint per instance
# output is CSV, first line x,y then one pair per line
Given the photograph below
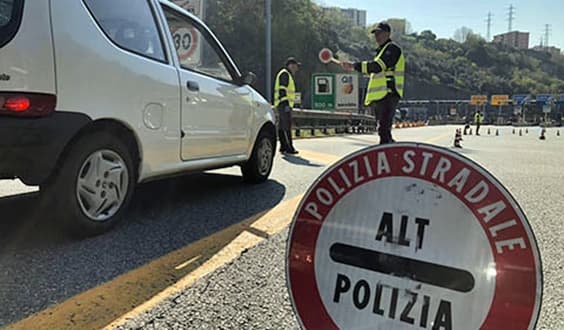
x,y
514,131
520,132
526,131
489,132
496,132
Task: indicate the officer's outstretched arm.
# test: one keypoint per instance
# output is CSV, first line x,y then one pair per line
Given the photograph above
x,y
367,67
388,59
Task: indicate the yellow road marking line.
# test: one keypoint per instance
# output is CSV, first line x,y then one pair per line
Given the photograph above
x,y
244,241
137,290
278,218
187,263
318,157
270,223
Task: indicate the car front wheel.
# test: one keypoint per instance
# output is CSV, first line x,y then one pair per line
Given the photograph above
x,y
258,168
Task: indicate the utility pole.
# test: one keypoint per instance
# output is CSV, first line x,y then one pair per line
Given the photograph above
x,y
547,32
268,16
511,17
489,21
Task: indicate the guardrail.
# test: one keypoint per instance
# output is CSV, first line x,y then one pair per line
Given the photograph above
x,y
308,123
317,123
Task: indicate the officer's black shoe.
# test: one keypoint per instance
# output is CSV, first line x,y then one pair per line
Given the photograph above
x,y
293,152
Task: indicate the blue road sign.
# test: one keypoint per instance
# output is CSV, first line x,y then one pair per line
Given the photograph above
x,y
521,99
543,99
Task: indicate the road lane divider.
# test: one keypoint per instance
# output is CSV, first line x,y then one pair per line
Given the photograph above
x,y
318,157
270,223
134,292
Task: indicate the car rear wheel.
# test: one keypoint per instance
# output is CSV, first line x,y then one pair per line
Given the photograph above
x,y
258,168
94,184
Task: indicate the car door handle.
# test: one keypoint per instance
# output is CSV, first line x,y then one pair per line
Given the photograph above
x,y
193,86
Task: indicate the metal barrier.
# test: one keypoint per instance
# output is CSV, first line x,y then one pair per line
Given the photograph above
x,y
308,123
318,123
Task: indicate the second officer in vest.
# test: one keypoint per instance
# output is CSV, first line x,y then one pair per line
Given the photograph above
x,y
387,74
284,99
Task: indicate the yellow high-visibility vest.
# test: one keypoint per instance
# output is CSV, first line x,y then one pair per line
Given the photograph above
x,y
378,85
478,118
290,90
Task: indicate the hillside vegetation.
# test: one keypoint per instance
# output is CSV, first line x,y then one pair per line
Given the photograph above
x,y
436,68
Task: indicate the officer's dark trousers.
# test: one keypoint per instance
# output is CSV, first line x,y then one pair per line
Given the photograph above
x,y
478,125
384,110
285,130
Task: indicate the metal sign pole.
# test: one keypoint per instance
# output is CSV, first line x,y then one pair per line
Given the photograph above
x,y
268,5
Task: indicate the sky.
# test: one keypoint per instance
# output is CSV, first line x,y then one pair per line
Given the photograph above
x,y
443,17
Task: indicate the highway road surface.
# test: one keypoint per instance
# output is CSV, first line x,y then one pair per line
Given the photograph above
x,y
207,251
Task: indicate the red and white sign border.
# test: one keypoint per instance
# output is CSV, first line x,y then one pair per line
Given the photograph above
x,y
317,315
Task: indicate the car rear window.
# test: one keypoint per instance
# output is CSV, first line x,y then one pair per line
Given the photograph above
x,y
129,24
10,18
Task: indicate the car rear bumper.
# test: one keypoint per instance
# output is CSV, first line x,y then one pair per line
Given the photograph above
x,y
30,147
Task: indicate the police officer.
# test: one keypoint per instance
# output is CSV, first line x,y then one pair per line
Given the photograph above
x,y
284,98
478,119
387,75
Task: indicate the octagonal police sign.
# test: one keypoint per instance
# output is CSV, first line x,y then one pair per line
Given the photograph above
x,y
412,236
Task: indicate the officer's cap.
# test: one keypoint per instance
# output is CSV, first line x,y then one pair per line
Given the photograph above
x,y
382,27
292,60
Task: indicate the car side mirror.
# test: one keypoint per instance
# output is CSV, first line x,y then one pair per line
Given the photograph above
x,y
249,78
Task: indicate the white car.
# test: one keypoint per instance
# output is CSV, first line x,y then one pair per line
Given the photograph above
x,y
99,95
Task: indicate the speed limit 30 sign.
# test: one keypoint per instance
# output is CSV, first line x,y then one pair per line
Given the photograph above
x,y
412,236
187,44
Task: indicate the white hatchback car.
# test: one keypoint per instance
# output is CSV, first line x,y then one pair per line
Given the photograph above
x,y
99,95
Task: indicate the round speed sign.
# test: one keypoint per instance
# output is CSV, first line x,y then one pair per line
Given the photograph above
x,y
186,41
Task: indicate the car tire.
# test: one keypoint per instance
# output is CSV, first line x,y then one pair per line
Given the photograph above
x,y
258,168
91,190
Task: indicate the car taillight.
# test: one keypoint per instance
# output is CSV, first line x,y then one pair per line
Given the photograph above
x,y
27,104
17,104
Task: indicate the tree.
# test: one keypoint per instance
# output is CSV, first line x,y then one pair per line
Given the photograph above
x,y
427,35
462,34
408,27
